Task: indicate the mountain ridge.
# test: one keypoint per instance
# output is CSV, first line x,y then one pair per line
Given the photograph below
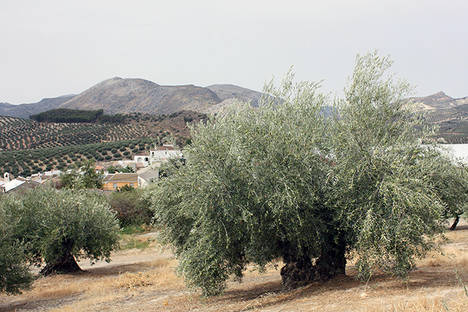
x,y
132,95
137,95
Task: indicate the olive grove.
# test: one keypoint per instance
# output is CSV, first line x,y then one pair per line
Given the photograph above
x,y
311,182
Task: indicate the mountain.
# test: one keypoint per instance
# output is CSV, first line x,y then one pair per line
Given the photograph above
x,y
117,95
26,110
439,100
450,114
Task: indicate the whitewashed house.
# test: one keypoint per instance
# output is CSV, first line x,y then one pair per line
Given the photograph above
x,y
141,160
12,185
164,153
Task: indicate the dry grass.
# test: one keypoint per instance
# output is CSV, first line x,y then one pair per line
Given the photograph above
x,y
144,280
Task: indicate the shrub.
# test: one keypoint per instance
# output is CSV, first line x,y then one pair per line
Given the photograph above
x,y
131,207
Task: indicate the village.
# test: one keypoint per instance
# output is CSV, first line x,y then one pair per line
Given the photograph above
x,y
141,171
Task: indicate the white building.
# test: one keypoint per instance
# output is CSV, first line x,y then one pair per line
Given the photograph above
x,y
164,153
457,151
148,175
141,160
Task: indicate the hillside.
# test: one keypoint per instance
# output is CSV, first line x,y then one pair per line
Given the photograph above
x,y
229,91
450,114
117,95
27,146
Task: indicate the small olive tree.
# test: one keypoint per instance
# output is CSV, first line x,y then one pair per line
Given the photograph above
x,y
308,183
14,272
452,185
62,226
85,178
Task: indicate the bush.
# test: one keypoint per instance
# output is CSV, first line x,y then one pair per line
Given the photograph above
x,y
62,226
131,207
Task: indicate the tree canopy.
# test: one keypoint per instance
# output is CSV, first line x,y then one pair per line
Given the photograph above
x,y
68,115
311,182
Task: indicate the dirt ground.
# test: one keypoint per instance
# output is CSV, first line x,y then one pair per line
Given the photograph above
x,y
144,280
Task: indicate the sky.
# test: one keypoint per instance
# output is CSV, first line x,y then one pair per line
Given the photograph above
x,y
50,48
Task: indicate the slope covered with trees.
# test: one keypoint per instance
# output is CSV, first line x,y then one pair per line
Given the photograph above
x,y
27,146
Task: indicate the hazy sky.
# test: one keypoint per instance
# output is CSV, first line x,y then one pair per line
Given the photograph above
x,y
55,47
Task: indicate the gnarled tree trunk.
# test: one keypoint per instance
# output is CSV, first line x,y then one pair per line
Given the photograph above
x,y
299,270
332,261
65,264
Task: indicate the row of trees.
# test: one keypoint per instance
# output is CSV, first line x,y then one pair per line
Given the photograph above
x,y
68,115
288,181
32,161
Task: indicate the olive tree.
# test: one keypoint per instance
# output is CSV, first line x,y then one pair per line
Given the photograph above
x,y
452,184
307,182
60,227
84,178
14,272
391,192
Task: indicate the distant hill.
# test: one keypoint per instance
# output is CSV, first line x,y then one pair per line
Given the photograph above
x,y
450,114
439,100
117,95
124,96
26,110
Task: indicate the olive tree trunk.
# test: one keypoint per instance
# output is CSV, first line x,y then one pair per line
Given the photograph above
x,y
455,223
64,264
299,269
332,261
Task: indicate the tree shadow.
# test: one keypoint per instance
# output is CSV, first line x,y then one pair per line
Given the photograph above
x,y
267,294
117,269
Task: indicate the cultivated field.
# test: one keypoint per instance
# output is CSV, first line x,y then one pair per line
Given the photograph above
x,y
144,280
28,147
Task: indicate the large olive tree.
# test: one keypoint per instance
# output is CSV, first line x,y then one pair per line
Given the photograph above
x,y
308,182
